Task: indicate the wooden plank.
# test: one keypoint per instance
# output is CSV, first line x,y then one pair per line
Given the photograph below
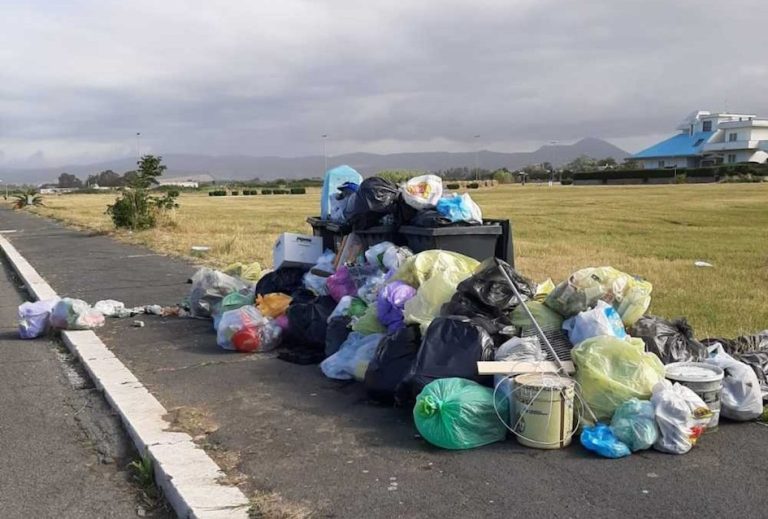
x,y
516,368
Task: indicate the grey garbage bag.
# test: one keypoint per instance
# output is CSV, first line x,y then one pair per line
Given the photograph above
x,y
208,288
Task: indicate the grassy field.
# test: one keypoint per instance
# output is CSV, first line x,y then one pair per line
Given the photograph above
x,y
655,231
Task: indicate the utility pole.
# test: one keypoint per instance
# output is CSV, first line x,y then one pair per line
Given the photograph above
x,y
325,155
138,147
477,163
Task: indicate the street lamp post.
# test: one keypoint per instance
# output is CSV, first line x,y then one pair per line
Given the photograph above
x,y
325,155
477,163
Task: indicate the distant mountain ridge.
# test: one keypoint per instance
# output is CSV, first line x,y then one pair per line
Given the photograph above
x,y
244,167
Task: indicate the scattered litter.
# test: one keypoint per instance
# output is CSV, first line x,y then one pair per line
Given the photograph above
x,y
138,324
700,263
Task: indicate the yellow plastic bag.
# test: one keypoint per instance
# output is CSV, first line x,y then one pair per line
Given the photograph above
x,y
273,305
543,290
369,322
247,271
421,267
628,295
435,274
610,371
431,296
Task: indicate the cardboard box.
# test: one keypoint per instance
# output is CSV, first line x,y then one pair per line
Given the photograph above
x,y
296,250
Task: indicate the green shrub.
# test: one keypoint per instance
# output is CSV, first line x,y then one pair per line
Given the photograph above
x,y
133,209
235,193
566,182
266,191
452,186
298,191
473,185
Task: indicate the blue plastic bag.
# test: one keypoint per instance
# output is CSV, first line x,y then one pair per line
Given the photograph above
x,y
460,209
600,439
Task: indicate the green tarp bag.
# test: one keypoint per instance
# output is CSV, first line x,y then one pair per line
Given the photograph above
x,y
456,413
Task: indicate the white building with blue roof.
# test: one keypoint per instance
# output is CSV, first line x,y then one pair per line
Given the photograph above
x,y
710,139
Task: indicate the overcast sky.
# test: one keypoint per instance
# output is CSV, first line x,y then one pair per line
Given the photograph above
x,y
78,79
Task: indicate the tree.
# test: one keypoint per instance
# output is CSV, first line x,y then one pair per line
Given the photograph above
x,y
150,167
29,197
503,176
630,163
67,180
582,164
608,163
135,208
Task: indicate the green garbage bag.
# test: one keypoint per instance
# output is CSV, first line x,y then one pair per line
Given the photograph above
x,y
610,371
547,318
425,265
369,322
456,413
634,423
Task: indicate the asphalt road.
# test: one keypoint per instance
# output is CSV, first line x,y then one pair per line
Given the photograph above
x,y
63,454
319,444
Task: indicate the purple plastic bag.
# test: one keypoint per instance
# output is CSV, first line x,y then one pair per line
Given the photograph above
x,y
390,303
341,284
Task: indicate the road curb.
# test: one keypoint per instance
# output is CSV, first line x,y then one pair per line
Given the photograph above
x,y
188,477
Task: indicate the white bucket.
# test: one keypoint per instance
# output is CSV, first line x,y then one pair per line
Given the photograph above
x,y
703,379
543,405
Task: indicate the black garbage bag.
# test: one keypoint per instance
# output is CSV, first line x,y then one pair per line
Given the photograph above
x,y
489,290
671,341
431,218
337,332
302,295
285,280
375,198
451,347
745,343
394,357
404,213
304,339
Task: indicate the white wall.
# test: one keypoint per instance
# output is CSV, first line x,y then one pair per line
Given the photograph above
x,y
669,162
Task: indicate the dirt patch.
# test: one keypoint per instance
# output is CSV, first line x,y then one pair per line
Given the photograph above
x,y
270,505
194,421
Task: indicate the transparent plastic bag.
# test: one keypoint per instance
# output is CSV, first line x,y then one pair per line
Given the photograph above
x,y
353,357
422,192
245,329
682,417
208,288
630,296
601,320
75,314
634,424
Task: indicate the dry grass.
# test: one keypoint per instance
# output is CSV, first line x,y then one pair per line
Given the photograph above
x,y
654,231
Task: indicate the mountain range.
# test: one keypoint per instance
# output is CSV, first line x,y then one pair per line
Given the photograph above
x,y
244,167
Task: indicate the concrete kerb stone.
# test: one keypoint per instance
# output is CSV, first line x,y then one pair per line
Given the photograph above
x,y
190,479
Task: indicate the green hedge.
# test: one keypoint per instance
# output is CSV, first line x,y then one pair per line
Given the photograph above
x,y
452,186
298,191
266,191
473,185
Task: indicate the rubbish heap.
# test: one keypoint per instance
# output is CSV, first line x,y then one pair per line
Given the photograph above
x,y
477,350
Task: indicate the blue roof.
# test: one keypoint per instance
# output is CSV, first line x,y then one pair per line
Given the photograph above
x,y
681,145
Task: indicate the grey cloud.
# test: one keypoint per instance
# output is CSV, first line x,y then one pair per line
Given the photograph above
x,y
269,78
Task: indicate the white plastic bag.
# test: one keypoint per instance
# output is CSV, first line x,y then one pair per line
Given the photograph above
x,y
520,349
353,357
75,314
109,307
601,320
423,192
741,398
246,329
394,257
34,317
375,254
682,417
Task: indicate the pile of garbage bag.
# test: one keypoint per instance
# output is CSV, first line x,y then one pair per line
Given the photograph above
x,y
412,329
